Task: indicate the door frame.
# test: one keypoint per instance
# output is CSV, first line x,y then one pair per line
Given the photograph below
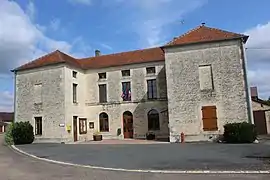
x,y
75,128
128,135
260,122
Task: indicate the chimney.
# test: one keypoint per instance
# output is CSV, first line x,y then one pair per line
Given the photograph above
x,y
254,92
97,52
203,23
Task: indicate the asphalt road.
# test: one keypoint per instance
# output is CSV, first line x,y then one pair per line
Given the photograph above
x,y
14,166
204,156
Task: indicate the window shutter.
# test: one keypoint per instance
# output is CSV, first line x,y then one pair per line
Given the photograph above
x,y
209,117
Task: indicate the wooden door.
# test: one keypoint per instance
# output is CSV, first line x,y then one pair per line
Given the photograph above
x,y
260,122
128,125
75,129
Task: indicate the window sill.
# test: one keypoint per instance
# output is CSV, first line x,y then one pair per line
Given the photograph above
x,y
75,103
82,133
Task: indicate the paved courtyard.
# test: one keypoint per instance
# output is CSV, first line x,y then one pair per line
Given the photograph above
x,y
14,166
189,156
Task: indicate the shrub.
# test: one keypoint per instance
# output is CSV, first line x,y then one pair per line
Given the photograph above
x,y
239,133
22,133
8,135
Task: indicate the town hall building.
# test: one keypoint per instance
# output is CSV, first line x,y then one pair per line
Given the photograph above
x,y
194,84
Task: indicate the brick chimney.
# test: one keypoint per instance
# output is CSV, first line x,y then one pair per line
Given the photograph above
x,y
97,53
254,92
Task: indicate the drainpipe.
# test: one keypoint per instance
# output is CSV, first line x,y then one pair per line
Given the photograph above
x,y
248,97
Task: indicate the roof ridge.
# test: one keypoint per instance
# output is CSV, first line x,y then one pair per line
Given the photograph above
x,y
224,31
188,32
118,53
59,54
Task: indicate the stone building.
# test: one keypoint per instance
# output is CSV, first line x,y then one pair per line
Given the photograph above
x,y
261,112
193,84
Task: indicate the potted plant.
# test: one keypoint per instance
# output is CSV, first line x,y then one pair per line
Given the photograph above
x,y
97,136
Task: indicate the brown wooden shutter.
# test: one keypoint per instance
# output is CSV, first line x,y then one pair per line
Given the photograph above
x,y
209,117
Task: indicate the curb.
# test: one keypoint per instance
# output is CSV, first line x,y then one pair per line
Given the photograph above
x,y
142,171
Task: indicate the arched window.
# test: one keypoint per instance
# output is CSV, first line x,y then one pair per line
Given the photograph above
x,y
103,122
153,120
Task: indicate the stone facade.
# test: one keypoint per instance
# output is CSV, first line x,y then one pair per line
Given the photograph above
x,y
256,106
226,88
191,76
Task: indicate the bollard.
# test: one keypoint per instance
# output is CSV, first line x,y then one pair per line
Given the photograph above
x,y
182,135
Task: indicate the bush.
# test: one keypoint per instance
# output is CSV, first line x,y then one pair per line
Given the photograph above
x,y
22,133
8,135
239,133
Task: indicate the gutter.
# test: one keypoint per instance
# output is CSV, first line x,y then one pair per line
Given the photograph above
x,y
248,97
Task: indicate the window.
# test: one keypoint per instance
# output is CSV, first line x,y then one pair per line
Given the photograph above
x,y
205,77
91,125
103,122
209,117
125,73
74,74
102,75
150,70
38,126
83,125
102,93
152,89
38,93
153,120
75,93
126,91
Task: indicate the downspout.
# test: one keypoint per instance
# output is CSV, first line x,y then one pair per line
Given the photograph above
x,y
248,97
15,97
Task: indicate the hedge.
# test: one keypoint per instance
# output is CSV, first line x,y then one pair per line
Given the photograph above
x,y
239,133
19,133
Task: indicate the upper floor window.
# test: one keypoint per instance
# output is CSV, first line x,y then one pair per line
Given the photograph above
x,y
125,73
75,93
102,93
126,91
206,77
74,74
150,70
38,93
102,75
152,89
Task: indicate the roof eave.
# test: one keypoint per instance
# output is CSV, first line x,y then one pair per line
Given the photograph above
x,y
30,68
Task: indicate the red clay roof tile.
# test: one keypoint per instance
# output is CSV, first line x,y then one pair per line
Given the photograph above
x,y
204,34
197,35
124,58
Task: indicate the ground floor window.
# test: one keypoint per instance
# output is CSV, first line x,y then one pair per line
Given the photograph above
x,y
83,125
38,125
153,120
103,122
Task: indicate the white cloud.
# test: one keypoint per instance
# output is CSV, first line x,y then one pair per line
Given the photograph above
x,y
83,2
55,24
258,58
21,41
6,104
106,46
151,16
31,10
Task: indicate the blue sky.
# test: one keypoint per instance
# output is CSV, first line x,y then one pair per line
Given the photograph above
x,y
31,28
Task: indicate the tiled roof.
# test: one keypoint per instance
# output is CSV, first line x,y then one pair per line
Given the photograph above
x,y
124,58
197,35
205,34
54,57
6,117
